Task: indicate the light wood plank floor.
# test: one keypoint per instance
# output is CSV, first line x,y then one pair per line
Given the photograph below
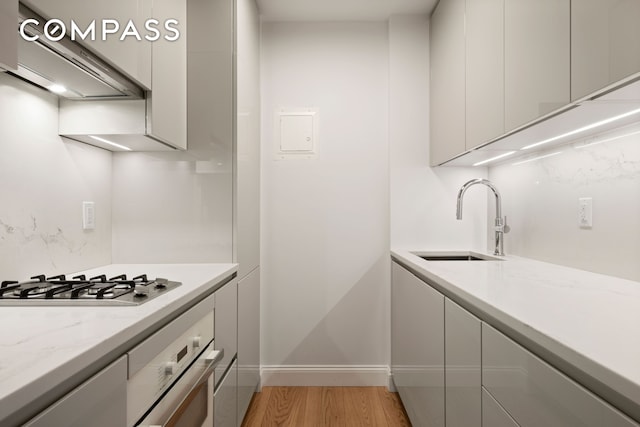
x,y
325,406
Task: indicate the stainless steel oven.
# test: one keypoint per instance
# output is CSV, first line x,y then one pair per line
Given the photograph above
x,y
171,373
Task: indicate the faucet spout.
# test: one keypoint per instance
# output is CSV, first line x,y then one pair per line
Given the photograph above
x,y
499,221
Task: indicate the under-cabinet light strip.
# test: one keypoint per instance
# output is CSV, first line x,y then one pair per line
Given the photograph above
x,y
56,88
537,158
607,140
122,147
494,158
585,128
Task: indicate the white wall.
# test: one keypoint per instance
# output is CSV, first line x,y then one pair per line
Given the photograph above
x,y
423,199
43,181
540,199
325,222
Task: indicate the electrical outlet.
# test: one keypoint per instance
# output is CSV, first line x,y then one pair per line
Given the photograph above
x,y
88,215
585,212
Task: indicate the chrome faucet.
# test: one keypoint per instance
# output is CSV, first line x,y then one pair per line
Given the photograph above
x,y
500,223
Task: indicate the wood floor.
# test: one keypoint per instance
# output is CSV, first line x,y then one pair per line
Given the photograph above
x,y
325,406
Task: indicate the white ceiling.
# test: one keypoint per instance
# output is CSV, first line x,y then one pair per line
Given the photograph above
x,y
341,10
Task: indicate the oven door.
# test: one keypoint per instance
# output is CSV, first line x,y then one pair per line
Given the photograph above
x,y
189,401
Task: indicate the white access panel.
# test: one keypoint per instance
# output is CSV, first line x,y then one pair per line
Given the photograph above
x,y
296,134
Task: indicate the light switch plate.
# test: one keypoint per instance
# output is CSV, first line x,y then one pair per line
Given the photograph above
x,y
88,215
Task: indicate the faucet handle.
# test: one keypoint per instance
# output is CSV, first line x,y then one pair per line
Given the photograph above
x,y
506,226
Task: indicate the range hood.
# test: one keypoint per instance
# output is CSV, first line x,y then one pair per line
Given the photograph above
x,y
67,68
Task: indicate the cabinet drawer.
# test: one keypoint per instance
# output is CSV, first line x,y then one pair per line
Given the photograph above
x,y
536,394
100,401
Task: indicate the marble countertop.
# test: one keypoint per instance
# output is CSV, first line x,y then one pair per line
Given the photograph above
x,y
42,348
586,324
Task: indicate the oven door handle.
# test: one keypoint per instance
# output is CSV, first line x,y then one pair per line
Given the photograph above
x,y
211,359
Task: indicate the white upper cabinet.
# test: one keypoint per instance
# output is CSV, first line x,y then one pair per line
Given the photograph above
x,y
496,65
447,84
9,34
536,58
160,121
130,56
167,108
605,44
484,71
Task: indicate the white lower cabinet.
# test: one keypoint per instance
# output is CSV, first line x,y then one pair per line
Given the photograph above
x,y
451,368
536,394
226,339
226,326
463,401
225,410
248,340
494,415
417,347
100,401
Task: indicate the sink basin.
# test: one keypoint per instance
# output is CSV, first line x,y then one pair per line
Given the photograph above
x,y
455,256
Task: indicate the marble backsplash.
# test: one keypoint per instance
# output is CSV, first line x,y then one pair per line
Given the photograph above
x,y
540,199
43,181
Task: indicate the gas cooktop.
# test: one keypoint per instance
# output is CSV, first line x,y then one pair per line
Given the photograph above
x,y
80,290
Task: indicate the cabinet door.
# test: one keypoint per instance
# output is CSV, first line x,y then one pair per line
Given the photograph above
x,y
130,56
9,34
101,401
226,326
417,347
447,81
484,71
494,415
536,55
248,340
167,102
225,402
605,43
536,394
462,367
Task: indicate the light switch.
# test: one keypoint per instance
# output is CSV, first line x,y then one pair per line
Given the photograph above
x,y
585,212
296,133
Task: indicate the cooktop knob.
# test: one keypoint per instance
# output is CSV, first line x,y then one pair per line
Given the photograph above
x,y
196,342
141,291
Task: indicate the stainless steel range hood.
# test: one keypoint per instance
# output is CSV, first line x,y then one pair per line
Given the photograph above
x,y
67,65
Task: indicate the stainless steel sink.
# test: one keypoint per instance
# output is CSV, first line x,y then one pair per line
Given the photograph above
x,y
455,256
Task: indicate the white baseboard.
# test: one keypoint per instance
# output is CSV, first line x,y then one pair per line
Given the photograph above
x,y
325,375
